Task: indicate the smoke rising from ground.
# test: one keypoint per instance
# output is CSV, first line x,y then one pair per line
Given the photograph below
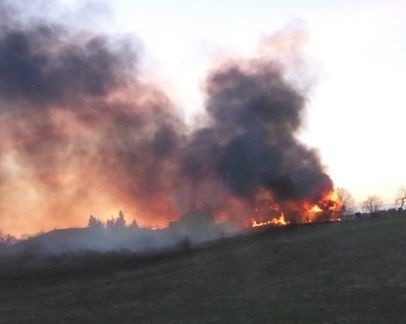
x,y
81,133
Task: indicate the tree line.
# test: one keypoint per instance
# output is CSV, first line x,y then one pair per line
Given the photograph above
x,y
112,223
371,205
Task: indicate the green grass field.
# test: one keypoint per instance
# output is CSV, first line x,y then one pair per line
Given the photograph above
x,y
349,272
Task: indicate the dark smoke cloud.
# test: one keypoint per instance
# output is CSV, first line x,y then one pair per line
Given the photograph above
x,y
83,129
40,67
252,140
77,120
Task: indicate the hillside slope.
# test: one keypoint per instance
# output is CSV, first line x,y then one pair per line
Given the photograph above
x,y
351,272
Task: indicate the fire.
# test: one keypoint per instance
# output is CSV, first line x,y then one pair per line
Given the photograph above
x,y
315,209
333,197
278,221
269,214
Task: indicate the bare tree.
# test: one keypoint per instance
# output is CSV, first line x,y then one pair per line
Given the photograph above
x,y
401,197
371,205
346,200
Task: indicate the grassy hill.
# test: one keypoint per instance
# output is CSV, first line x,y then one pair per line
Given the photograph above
x,y
350,272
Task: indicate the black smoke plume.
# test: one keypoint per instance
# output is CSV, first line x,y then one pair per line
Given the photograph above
x,y
81,131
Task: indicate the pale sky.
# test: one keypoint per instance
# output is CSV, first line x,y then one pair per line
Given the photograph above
x,y
357,50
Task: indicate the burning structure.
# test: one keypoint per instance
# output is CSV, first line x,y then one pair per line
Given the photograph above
x,y
82,131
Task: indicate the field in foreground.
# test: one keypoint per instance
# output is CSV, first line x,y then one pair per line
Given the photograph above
x,y
350,272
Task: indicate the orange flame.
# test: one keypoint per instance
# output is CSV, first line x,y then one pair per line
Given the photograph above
x,y
277,221
327,209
